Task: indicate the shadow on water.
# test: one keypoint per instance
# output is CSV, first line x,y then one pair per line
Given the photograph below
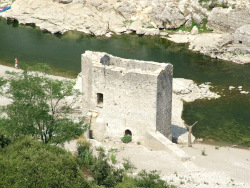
x,y
63,53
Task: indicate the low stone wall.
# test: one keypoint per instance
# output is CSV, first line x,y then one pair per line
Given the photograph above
x,y
156,141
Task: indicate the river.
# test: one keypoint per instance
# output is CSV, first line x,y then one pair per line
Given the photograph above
x,y
225,120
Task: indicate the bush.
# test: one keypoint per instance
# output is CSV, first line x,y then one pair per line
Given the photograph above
x,y
4,141
104,173
126,138
128,182
149,180
5,138
144,179
113,158
84,154
128,165
27,162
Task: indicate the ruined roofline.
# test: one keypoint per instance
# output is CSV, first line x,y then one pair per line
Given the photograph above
x,y
126,65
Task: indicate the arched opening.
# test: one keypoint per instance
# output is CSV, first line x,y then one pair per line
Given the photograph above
x,y
128,132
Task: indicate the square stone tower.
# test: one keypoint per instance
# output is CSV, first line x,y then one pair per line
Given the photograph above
x,y
125,96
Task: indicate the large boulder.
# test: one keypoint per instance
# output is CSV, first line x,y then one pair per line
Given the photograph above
x,y
242,35
126,9
145,31
194,31
198,18
167,15
228,20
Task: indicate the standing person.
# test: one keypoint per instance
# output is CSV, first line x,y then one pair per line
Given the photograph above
x,y
16,63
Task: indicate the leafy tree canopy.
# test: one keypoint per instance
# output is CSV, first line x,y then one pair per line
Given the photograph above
x,y
27,162
39,109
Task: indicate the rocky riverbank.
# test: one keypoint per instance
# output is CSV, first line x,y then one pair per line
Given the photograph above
x,y
215,45
147,17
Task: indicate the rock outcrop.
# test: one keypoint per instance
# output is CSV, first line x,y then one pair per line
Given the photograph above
x,y
99,17
228,20
242,35
215,45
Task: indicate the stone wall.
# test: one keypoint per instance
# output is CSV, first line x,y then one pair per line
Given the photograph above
x,y
136,96
164,98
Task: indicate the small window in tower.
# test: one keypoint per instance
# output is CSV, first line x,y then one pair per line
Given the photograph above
x,y
99,99
240,41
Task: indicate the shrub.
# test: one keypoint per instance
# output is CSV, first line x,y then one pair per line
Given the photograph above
x,y
27,162
113,158
128,182
104,173
84,154
126,138
5,138
127,164
150,180
216,147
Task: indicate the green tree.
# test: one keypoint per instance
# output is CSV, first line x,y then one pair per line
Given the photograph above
x,y
39,109
27,162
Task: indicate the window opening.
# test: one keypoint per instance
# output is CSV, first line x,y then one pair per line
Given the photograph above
x,y
99,99
128,132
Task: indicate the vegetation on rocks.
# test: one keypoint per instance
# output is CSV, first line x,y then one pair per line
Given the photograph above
x,y
210,4
202,27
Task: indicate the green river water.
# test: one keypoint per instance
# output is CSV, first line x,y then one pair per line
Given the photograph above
x,y
225,120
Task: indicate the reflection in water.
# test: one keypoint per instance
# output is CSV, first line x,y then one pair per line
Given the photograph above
x,y
63,53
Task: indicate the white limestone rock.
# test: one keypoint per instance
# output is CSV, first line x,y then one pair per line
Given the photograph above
x,y
195,31
198,18
228,20
126,9
242,35
135,25
96,3
116,23
145,31
231,87
244,92
168,15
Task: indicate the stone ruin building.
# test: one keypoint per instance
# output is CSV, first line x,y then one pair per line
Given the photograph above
x,y
125,96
